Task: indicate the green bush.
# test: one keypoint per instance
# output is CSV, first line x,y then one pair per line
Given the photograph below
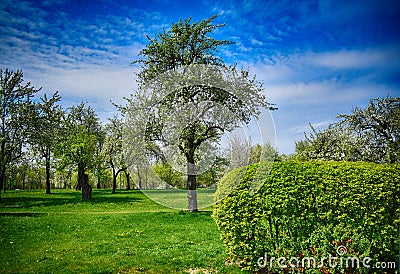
x,y
309,209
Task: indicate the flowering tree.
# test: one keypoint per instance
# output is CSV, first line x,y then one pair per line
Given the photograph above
x,y
188,98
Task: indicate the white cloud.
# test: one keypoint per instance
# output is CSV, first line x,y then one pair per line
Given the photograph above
x,y
271,72
326,93
111,83
343,77
306,128
256,42
351,59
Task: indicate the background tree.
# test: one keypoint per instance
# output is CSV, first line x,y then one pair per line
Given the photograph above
x,y
15,113
172,177
113,151
370,135
266,152
46,131
187,44
81,131
100,166
334,143
214,173
137,159
64,175
379,126
21,169
239,152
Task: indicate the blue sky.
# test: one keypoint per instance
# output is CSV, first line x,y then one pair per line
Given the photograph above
x,y
316,59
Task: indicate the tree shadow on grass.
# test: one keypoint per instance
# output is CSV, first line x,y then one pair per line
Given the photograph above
x,y
27,200
23,214
30,202
120,197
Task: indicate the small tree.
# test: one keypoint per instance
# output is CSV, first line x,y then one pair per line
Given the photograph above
x,y
99,165
239,151
15,116
81,133
46,131
113,152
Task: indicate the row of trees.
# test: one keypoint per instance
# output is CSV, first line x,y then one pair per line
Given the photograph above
x,y
40,129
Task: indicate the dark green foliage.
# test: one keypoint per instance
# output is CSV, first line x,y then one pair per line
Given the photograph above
x,y
266,152
186,43
213,174
308,209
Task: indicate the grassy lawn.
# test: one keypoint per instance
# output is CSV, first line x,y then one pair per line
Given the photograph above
x,y
177,198
114,233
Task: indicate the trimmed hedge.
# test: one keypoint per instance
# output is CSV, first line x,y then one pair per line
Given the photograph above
x,y
309,209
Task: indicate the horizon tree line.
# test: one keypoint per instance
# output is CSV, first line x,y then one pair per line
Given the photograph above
x,y
39,138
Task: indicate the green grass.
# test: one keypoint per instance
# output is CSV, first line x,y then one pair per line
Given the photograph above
x,y
177,198
124,232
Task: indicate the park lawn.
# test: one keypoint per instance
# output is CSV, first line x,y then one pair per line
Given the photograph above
x,y
124,232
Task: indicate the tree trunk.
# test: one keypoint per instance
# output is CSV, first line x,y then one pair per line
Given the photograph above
x,y
128,182
192,185
2,178
48,186
139,178
70,180
3,166
114,186
86,188
98,182
146,176
114,177
83,183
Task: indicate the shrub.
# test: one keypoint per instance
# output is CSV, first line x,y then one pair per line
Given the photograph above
x,y
309,209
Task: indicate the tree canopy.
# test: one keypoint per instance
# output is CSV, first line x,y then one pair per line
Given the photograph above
x,y
184,44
